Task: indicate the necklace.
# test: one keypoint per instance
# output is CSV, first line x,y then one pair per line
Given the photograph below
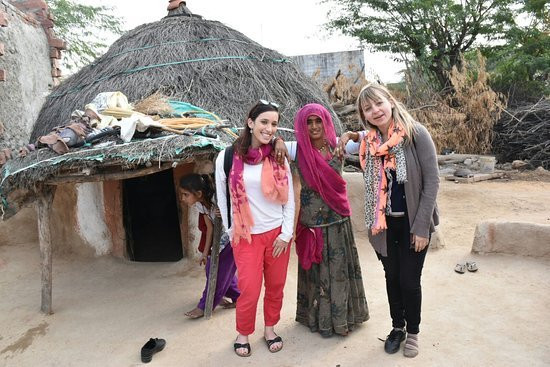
x,y
323,148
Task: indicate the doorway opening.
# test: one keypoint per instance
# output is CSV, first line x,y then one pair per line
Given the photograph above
x,y
151,218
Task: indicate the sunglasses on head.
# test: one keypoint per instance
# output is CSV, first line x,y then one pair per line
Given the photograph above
x,y
267,103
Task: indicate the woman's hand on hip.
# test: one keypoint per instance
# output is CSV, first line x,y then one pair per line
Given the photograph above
x,y
419,242
279,246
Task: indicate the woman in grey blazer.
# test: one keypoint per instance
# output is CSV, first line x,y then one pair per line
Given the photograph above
x,y
400,168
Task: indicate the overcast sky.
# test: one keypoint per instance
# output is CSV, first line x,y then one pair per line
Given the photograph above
x,y
292,27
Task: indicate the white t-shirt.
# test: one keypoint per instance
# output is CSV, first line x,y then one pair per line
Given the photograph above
x,y
267,214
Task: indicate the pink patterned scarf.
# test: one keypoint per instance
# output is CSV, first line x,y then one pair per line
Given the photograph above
x,y
377,158
274,187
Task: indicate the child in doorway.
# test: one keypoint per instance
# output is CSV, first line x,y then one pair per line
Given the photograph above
x,y
198,191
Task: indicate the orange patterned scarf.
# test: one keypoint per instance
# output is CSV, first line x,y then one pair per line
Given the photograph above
x,y
274,187
377,159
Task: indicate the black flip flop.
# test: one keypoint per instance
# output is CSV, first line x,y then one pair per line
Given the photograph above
x,y
151,347
270,342
244,345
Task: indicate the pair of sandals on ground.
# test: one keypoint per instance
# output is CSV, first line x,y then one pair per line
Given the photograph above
x,y
471,266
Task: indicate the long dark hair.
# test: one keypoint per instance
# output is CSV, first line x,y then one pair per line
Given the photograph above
x,y
245,137
196,183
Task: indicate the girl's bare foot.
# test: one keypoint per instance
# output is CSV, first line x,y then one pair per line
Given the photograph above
x,y
195,313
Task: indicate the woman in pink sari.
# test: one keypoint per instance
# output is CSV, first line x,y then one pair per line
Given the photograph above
x,y
331,297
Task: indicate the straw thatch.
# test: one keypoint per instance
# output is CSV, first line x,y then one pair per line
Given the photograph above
x,y
20,178
191,59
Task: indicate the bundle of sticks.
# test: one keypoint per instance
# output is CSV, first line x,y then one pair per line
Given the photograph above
x,y
524,133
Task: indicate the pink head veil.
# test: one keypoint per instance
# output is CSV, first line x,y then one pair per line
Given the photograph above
x,y
315,170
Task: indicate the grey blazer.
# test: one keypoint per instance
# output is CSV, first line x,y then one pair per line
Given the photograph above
x,y
420,189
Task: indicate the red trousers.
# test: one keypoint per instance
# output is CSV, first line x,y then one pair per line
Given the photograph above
x,y
255,261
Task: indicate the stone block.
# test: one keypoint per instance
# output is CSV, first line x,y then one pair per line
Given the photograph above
x,y
437,241
515,238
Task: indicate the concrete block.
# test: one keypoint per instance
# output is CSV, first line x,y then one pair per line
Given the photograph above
x,y
515,238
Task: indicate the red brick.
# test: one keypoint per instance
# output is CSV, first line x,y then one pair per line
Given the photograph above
x,y
2,75
174,4
55,53
3,19
26,5
55,63
56,72
2,49
46,23
57,43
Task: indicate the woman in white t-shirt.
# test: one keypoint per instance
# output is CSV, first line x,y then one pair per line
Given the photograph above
x,y
262,216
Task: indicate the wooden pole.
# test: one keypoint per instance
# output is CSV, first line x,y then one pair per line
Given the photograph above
x,y
45,200
213,274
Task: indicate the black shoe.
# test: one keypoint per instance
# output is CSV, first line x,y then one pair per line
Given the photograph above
x,y
150,348
393,341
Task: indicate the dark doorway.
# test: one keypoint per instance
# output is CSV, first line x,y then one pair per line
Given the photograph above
x,y
151,218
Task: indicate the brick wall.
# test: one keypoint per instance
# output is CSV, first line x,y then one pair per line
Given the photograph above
x,y
36,11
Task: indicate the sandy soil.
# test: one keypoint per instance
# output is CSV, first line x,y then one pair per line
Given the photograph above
x,y
106,309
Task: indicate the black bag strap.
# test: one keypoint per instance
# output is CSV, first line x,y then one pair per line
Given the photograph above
x,y
227,163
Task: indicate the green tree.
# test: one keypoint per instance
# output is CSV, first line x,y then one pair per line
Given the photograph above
x,y
521,67
85,29
434,32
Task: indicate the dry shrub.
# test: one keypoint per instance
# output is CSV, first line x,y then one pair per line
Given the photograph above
x,y
343,90
463,120
155,104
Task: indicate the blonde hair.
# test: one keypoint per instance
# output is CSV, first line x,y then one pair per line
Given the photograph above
x,y
373,92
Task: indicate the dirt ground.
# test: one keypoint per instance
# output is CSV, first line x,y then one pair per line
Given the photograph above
x,y
106,309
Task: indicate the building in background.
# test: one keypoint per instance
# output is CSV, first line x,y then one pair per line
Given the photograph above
x,y
325,66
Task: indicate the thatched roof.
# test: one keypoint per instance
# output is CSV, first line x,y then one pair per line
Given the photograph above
x,y
182,57
21,177
187,58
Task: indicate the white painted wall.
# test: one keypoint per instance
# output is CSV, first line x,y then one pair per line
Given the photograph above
x,y
91,219
27,63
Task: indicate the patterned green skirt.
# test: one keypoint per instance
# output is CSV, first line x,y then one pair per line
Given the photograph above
x,y
331,297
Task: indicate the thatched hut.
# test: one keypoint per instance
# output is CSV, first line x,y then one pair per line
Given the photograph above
x,y
121,199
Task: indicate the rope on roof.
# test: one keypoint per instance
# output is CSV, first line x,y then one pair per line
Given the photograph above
x,y
147,67
210,39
